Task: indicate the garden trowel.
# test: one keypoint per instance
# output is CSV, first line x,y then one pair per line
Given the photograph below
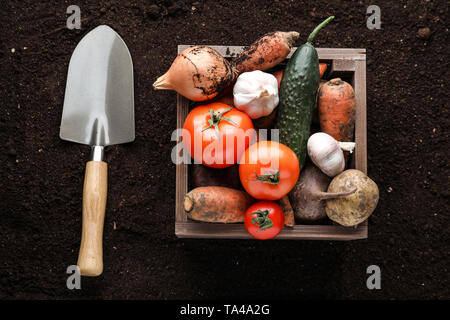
x,y
98,111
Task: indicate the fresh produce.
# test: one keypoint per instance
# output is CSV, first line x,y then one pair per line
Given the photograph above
x,y
216,134
217,204
325,153
315,116
264,220
337,109
198,73
268,170
285,204
322,69
307,197
203,176
266,52
357,207
256,93
298,96
279,73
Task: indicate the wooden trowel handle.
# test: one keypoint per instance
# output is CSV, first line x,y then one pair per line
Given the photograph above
x,y
90,258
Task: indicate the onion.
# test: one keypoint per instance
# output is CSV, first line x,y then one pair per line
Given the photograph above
x,y
198,73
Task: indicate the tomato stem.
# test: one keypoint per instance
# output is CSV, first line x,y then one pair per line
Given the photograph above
x,y
215,119
272,178
262,220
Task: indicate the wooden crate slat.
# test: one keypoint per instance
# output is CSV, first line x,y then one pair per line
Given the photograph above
x,y
345,60
324,53
181,169
361,116
193,229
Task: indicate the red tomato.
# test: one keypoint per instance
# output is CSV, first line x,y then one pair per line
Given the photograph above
x,y
268,170
217,134
264,220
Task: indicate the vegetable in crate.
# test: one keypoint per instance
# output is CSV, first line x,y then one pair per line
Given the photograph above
x,y
217,204
289,218
279,73
298,96
264,220
268,170
337,109
216,134
198,73
357,207
256,93
322,69
309,194
326,153
266,52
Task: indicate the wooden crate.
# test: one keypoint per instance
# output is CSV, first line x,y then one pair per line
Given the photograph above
x,y
348,63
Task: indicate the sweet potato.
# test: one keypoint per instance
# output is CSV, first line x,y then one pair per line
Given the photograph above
x,y
217,204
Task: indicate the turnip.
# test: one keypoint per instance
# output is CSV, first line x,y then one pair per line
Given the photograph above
x,y
308,195
357,207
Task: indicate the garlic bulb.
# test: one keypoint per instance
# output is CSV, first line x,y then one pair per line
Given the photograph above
x,y
325,152
256,93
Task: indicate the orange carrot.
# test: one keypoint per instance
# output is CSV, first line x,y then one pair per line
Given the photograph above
x,y
337,109
266,52
217,204
322,69
289,217
279,75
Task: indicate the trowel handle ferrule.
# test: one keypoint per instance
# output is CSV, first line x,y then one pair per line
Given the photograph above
x,y
97,153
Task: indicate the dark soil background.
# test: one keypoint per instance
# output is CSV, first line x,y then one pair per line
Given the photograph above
x,y
41,175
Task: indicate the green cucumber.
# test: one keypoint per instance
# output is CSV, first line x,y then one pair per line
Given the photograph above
x,y
298,92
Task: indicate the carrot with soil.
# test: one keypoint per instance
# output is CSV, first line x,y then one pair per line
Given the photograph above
x,y
266,52
217,204
337,109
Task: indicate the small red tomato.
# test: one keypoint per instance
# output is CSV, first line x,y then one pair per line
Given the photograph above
x,y
268,170
264,220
